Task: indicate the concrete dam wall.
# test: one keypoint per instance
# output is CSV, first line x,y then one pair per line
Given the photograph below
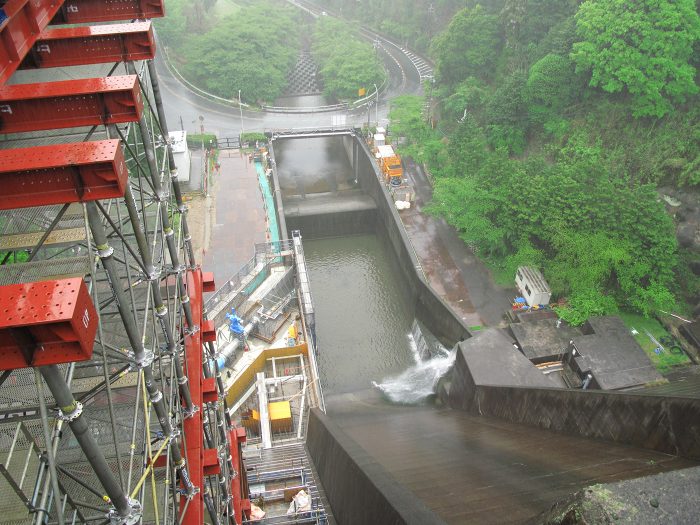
x,y
485,460
670,425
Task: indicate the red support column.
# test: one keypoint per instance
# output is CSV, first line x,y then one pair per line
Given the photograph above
x,y
20,26
193,429
239,484
62,173
76,46
90,11
70,103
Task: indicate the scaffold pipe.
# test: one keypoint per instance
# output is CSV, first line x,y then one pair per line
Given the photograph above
x,y
164,217
142,359
126,511
171,161
160,308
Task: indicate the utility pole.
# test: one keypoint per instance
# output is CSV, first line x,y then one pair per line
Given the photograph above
x,y
240,108
369,112
376,104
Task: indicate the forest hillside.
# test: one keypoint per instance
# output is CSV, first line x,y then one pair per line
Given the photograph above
x,y
563,134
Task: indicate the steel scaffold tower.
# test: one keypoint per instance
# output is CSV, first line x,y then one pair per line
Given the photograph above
x,y
111,410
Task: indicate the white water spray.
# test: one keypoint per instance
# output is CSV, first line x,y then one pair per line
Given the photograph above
x,y
418,382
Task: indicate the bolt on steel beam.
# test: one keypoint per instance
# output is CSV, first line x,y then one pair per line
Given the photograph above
x,y
88,11
21,25
77,46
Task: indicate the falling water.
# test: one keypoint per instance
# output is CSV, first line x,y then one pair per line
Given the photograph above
x,y
418,343
415,385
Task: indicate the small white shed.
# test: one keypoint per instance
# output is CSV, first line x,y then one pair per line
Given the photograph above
x,y
181,154
379,140
532,286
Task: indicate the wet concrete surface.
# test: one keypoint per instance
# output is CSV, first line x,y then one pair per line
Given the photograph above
x,y
451,268
324,203
474,469
239,217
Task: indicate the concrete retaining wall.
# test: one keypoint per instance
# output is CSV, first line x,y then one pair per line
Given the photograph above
x,y
665,424
358,489
431,310
278,196
334,224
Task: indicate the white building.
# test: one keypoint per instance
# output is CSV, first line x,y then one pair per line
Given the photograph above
x,y
181,154
532,286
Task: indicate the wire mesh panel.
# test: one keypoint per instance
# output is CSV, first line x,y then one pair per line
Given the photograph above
x,y
58,268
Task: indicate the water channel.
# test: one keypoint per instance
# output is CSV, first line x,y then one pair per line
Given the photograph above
x,y
363,317
363,320
312,166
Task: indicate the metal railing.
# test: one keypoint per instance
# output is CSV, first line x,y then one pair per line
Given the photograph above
x,y
239,287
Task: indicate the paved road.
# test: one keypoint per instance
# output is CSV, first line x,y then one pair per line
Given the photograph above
x,y
183,105
452,269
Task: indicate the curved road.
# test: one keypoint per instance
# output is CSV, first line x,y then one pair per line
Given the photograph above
x,y
183,105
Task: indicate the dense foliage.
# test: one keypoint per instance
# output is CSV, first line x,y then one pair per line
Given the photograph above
x,y
643,46
557,119
251,49
467,46
346,63
413,22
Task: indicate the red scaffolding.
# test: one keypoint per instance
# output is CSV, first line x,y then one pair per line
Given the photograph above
x,y
87,172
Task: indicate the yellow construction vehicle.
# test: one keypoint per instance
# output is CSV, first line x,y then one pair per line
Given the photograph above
x,y
390,164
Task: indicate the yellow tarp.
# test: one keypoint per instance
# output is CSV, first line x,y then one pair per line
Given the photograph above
x,y
280,410
280,416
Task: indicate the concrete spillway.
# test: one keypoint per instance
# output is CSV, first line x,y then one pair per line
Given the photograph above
x,y
466,468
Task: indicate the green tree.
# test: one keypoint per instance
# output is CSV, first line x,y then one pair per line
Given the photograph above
x,y
419,140
346,63
506,114
469,46
468,96
249,50
642,46
467,152
551,86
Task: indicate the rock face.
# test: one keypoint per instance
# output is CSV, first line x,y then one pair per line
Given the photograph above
x,y
670,497
684,206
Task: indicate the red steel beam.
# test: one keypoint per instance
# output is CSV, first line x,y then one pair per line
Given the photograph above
x,y
21,22
90,11
46,323
76,46
62,173
192,426
70,103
